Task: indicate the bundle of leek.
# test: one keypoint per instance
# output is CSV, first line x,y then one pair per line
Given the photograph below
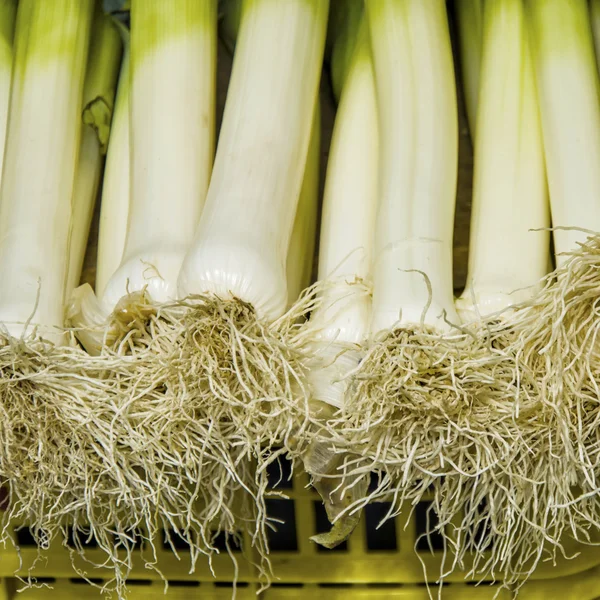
x,y
479,413
546,487
398,407
166,465
554,337
551,336
234,354
422,405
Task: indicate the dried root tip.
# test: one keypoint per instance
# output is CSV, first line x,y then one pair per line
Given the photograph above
x,y
341,530
338,496
97,329
338,492
330,367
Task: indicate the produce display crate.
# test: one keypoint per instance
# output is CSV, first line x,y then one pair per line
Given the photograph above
x,y
375,563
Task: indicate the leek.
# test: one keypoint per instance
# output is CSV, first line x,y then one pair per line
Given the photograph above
x,y
98,100
46,454
173,72
567,80
398,408
40,163
227,257
341,317
412,269
300,256
508,253
231,350
173,80
507,260
553,338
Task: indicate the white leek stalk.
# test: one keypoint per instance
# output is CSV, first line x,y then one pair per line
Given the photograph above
x,y
242,240
414,74
392,418
40,161
114,207
300,257
172,103
98,99
567,84
8,12
347,229
469,20
341,318
506,259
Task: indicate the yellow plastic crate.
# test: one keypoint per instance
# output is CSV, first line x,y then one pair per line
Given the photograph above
x,y
374,563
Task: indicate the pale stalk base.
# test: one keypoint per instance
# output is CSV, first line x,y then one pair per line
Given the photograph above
x,y
125,329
